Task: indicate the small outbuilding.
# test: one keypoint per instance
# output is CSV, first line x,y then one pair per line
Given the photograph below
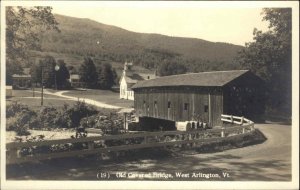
x,y
21,81
199,97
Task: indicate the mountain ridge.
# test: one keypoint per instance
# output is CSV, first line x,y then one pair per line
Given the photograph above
x,y
87,37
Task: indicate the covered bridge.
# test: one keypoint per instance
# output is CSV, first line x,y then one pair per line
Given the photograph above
x,y
200,96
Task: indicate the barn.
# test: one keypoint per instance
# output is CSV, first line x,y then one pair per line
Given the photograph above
x,y
199,97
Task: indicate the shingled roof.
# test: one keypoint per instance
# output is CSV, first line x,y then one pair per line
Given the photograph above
x,y
215,78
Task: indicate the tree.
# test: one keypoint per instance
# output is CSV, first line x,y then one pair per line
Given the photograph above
x,y
48,71
23,29
62,75
12,68
106,76
171,68
115,76
36,73
88,73
269,56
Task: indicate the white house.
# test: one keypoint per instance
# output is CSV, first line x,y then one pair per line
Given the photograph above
x,y
128,79
75,80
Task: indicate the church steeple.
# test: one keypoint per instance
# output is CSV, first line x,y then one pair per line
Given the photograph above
x,y
125,66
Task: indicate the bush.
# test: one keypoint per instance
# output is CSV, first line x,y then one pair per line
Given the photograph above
x,y
46,117
21,118
63,119
21,122
14,108
109,123
78,111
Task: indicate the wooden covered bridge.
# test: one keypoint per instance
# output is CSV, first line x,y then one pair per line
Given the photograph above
x,y
198,97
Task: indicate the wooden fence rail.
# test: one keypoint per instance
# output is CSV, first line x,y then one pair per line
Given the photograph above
x,y
18,152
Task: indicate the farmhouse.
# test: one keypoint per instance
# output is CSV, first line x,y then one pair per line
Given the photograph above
x,y
21,81
130,78
75,81
201,97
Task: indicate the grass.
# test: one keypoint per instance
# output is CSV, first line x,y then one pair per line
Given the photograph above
x,y
105,96
26,97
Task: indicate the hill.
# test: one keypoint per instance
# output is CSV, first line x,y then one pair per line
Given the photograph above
x,y
85,37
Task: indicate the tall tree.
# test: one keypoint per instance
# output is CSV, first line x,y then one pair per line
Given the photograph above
x,y
24,26
269,56
115,76
88,73
106,76
48,70
36,73
62,75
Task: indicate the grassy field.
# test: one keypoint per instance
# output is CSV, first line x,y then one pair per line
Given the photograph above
x,y
105,96
26,97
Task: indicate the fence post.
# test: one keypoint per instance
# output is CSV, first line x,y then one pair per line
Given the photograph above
x,y
222,132
243,130
242,120
91,145
252,126
231,117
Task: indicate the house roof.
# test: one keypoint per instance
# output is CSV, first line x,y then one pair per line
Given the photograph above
x,y
26,71
129,80
21,76
215,78
74,76
132,78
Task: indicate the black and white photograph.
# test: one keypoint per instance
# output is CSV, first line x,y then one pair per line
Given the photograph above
x,y
149,95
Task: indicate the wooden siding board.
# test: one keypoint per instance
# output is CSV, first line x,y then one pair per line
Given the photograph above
x,y
196,98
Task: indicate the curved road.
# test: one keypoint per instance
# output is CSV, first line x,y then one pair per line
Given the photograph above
x,y
86,100
269,161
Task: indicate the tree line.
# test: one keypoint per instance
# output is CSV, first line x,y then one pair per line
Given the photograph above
x,y
103,77
44,72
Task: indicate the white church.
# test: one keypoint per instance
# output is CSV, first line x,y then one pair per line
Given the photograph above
x,y
128,79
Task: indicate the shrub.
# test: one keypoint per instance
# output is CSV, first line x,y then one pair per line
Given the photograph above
x,y
46,117
14,108
63,119
78,111
109,123
21,122
51,117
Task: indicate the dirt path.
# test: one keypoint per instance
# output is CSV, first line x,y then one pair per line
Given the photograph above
x,y
86,100
269,161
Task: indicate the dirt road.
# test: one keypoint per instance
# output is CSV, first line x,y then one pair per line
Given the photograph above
x,y
86,100
269,161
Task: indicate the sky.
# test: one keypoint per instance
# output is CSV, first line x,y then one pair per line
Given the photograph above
x,y
231,25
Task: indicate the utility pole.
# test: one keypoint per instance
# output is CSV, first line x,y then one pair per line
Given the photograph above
x,y
32,86
42,94
56,68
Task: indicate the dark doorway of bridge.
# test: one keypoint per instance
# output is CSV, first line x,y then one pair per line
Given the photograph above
x,y
155,124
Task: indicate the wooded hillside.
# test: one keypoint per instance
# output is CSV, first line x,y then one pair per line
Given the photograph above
x,y
84,37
